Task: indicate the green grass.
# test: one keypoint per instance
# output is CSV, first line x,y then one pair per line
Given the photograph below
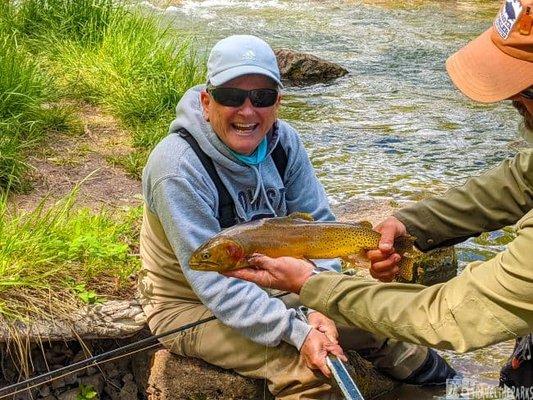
x,y
100,51
53,53
55,258
27,109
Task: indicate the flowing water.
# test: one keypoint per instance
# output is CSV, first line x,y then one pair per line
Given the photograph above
x,y
395,127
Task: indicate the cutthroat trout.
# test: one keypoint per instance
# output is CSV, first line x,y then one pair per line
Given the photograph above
x,y
297,236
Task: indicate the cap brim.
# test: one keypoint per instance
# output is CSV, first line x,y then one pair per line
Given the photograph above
x,y
485,73
241,70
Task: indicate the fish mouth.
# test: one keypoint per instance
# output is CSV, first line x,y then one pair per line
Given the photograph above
x,y
204,266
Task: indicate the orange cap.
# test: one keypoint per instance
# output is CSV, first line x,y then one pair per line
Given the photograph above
x,y
499,63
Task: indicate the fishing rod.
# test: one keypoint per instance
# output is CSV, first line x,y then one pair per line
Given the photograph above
x,y
111,355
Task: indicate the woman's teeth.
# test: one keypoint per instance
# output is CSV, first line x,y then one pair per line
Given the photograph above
x,y
245,129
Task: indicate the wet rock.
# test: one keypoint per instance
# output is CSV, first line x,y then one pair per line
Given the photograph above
x,y
175,377
300,69
370,381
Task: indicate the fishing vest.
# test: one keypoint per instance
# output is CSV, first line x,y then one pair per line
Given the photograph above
x,y
161,278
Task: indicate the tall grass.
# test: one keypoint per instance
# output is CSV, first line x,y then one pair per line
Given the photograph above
x,y
117,57
26,108
50,257
102,51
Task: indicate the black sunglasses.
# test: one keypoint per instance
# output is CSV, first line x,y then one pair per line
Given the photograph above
x,y
527,94
233,97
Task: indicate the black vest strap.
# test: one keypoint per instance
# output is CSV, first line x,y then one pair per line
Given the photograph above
x,y
226,206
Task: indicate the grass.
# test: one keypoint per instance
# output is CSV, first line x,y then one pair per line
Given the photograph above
x,y
55,259
104,52
27,112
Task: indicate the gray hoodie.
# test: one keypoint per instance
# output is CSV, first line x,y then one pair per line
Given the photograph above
x,y
178,190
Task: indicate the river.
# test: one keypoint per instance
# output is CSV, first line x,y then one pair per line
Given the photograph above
x,y
394,127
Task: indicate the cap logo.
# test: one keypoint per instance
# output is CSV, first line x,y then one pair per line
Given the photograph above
x,y
248,56
507,17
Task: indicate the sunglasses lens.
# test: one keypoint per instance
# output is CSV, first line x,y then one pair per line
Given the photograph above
x,y
233,97
229,97
263,97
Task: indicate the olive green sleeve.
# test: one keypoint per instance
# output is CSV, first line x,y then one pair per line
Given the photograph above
x,y
487,303
499,197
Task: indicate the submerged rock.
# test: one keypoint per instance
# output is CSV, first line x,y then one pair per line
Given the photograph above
x,y
306,69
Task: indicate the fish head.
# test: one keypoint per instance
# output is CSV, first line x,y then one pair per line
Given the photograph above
x,y
217,254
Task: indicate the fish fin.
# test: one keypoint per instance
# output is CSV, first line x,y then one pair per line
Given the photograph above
x,y
404,246
301,215
366,224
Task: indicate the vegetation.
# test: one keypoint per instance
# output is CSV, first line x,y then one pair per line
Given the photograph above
x,y
56,258
55,53
100,51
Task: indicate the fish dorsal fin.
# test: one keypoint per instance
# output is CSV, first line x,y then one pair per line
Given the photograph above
x,y
366,224
301,215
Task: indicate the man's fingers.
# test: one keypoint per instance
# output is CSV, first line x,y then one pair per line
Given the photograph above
x,y
386,265
387,276
388,234
250,274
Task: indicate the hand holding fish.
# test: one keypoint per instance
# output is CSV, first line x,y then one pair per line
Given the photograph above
x,y
383,261
315,349
283,273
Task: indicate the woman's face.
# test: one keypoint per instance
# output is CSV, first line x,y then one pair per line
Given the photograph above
x,y
241,128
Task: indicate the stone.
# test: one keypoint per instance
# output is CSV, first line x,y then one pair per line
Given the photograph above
x,y
69,394
176,377
110,320
300,69
129,391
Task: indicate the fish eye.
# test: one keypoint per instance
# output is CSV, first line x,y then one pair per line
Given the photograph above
x,y
205,255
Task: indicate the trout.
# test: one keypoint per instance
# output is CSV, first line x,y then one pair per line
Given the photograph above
x,y
296,236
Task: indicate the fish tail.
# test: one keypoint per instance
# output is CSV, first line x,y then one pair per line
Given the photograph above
x,y
404,246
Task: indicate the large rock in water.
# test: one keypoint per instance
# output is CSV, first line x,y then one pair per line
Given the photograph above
x,y
173,377
306,69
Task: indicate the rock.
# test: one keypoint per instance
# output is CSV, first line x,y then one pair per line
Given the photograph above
x,y
69,395
95,382
369,380
113,319
175,377
129,391
305,69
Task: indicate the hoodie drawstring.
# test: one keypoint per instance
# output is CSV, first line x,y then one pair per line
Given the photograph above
x,y
260,189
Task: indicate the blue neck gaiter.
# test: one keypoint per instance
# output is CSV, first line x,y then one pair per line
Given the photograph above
x,y
256,157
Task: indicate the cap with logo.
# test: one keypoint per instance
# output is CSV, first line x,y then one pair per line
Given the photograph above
x,y
499,63
239,55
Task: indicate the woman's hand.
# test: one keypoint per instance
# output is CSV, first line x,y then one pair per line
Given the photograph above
x,y
323,324
315,350
383,260
283,273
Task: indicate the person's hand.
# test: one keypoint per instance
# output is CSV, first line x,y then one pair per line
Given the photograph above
x,y
315,349
283,273
383,260
323,324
